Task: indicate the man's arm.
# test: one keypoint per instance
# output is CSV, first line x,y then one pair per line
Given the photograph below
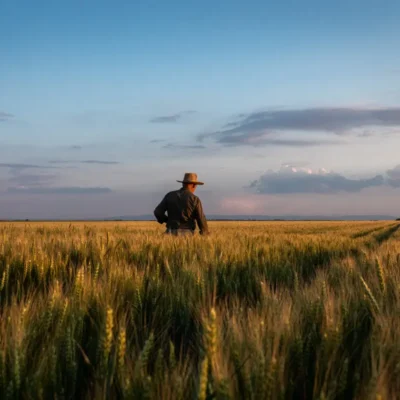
x,y
201,218
160,211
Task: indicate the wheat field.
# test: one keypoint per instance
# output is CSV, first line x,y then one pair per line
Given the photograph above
x,y
257,310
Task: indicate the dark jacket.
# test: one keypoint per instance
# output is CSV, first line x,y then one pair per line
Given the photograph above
x,y
184,209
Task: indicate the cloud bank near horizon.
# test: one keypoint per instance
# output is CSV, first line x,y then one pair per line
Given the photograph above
x,y
291,180
67,190
26,178
96,162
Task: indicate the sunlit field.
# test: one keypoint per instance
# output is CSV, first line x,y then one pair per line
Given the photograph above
x,y
260,310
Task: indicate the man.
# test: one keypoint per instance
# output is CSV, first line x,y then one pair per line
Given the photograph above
x,y
183,209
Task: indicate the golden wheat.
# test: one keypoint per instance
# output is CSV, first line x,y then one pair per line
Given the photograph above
x,y
279,310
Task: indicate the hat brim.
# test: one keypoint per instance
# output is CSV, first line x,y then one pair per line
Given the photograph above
x,y
195,183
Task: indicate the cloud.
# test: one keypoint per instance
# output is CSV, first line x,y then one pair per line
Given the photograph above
x,y
394,176
381,132
18,166
260,139
75,147
289,180
366,134
61,162
69,190
165,119
257,125
42,183
101,162
174,146
157,141
98,162
31,180
5,116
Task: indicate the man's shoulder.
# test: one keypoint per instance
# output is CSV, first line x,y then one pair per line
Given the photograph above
x,y
196,200
192,195
186,193
172,193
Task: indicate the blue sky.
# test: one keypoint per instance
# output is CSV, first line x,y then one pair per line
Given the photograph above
x,y
282,107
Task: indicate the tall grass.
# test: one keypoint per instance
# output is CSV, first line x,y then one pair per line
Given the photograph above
x,y
255,311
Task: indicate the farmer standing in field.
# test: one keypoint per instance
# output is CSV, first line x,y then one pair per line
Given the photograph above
x,y
183,209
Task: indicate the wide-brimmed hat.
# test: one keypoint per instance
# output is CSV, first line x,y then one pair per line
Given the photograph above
x,y
191,177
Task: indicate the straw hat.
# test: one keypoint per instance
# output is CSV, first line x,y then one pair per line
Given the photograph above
x,y
191,177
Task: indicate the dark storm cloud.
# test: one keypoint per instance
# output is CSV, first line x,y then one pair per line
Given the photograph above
x,y
5,116
330,120
285,182
69,190
166,119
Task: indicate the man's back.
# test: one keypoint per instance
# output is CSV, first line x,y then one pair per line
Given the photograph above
x,y
184,209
